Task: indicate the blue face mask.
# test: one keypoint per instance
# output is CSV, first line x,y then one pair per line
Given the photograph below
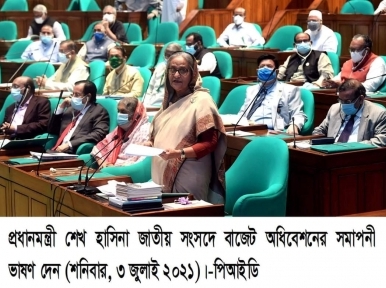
x,y
303,48
122,119
265,74
349,109
62,58
77,103
16,94
99,36
46,40
190,49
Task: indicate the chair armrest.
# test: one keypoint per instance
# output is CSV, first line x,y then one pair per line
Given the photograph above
x,y
139,172
51,143
84,148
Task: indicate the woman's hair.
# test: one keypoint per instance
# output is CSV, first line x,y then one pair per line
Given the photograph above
x,y
130,104
172,48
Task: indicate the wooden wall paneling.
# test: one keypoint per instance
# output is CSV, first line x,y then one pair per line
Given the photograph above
x,y
334,6
5,208
29,202
220,4
379,39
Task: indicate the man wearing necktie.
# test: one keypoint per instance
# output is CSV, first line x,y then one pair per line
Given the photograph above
x,y
354,119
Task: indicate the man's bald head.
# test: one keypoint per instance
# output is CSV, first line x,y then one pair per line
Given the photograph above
x,y
24,82
239,11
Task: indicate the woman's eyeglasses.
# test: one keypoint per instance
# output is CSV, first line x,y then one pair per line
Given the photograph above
x,y
181,71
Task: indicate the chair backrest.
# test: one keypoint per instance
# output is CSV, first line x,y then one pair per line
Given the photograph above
x,y
98,74
335,62
258,28
382,88
283,37
146,75
164,33
213,84
246,178
309,110
339,38
8,30
138,58
208,34
234,100
54,103
89,5
38,69
201,4
225,63
73,6
66,30
15,5
16,49
111,107
89,32
8,101
139,172
133,32
358,7
161,56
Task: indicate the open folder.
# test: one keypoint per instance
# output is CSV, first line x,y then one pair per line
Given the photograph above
x,y
15,144
342,147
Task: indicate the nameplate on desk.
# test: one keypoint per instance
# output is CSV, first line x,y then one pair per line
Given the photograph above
x,y
342,147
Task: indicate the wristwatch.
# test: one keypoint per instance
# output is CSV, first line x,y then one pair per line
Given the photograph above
x,y
183,156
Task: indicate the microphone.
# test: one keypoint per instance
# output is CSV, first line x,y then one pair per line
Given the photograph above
x,y
270,25
127,30
352,6
85,189
253,101
293,128
375,21
48,63
49,125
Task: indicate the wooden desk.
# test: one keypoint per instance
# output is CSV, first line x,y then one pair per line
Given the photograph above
x,y
378,213
329,184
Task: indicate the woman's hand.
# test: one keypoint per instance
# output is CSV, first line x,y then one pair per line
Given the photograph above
x,y
147,143
170,154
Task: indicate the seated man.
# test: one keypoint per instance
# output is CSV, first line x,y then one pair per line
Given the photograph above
x,y
124,80
322,37
133,125
114,28
354,119
45,49
79,119
364,66
156,89
240,33
98,47
277,102
41,19
70,71
307,65
32,112
206,61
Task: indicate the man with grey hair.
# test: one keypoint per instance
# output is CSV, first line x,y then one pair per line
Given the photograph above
x,y
155,91
41,19
114,28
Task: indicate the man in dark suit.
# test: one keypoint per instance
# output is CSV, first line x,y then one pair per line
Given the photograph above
x,y
32,112
79,119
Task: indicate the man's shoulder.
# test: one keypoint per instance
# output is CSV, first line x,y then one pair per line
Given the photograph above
x,y
326,29
374,108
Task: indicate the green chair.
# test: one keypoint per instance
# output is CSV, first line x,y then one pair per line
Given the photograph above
x,y
66,30
15,5
89,32
8,30
161,56
283,37
234,100
73,6
146,75
97,74
358,7
309,110
142,56
258,28
83,5
382,88
213,84
165,32
139,172
208,34
225,63
8,101
133,32
339,38
335,62
16,49
38,69
258,187
201,4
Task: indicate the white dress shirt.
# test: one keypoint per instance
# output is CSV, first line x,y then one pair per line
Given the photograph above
x,y
208,63
36,51
381,7
243,35
354,133
323,40
56,29
19,115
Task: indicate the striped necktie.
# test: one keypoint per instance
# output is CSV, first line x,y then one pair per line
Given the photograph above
x,y
259,99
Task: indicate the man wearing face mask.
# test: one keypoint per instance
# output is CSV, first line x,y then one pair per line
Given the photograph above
x,y
307,65
79,119
45,49
240,33
124,80
114,28
41,19
98,47
70,71
277,103
364,66
354,119
133,128
322,37
206,60
29,115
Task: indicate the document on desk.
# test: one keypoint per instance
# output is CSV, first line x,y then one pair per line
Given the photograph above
x,y
231,119
53,156
240,133
140,150
193,203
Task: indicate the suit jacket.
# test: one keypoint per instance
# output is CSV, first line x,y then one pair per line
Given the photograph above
x,y
93,127
35,120
372,126
287,103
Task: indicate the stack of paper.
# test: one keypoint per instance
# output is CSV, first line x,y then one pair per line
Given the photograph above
x,y
135,190
53,156
229,119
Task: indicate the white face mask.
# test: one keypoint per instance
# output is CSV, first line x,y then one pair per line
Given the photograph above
x,y
39,20
357,56
109,18
238,19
